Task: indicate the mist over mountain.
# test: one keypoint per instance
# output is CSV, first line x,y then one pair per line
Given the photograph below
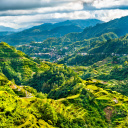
x,y
5,29
42,32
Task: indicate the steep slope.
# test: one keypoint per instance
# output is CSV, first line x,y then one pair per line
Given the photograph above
x,y
15,64
118,26
75,103
90,107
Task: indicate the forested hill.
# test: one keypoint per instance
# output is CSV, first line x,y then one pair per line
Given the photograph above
x,y
42,32
57,48
117,26
15,64
75,103
97,51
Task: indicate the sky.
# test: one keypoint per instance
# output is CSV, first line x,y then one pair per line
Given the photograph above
x,y
27,13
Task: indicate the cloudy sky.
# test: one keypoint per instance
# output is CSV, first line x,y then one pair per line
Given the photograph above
x,y
26,13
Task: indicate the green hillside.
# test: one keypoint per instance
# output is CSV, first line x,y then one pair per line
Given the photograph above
x,y
112,70
97,51
62,98
16,64
117,26
57,48
89,106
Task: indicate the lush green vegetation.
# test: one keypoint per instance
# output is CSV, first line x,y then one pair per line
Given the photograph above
x,y
15,64
111,70
58,97
105,60
98,50
86,105
90,93
57,48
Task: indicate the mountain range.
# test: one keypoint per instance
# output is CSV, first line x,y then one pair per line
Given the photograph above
x,y
117,26
42,32
72,43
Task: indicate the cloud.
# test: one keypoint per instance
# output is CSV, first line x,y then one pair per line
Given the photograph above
x,y
30,4
68,7
31,20
24,4
23,13
105,4
88,4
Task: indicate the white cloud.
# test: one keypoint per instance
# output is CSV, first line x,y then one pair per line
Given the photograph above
x,y
21,13
109,3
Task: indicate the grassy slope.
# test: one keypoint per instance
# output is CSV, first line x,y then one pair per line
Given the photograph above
x,y
16,64
92,106
75,103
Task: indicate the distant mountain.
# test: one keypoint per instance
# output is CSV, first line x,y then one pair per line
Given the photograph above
x,y
117,26
6,29
44,31
4,33
38,35
81,23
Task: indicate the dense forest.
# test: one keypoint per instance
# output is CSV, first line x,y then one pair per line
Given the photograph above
x,y
53,49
